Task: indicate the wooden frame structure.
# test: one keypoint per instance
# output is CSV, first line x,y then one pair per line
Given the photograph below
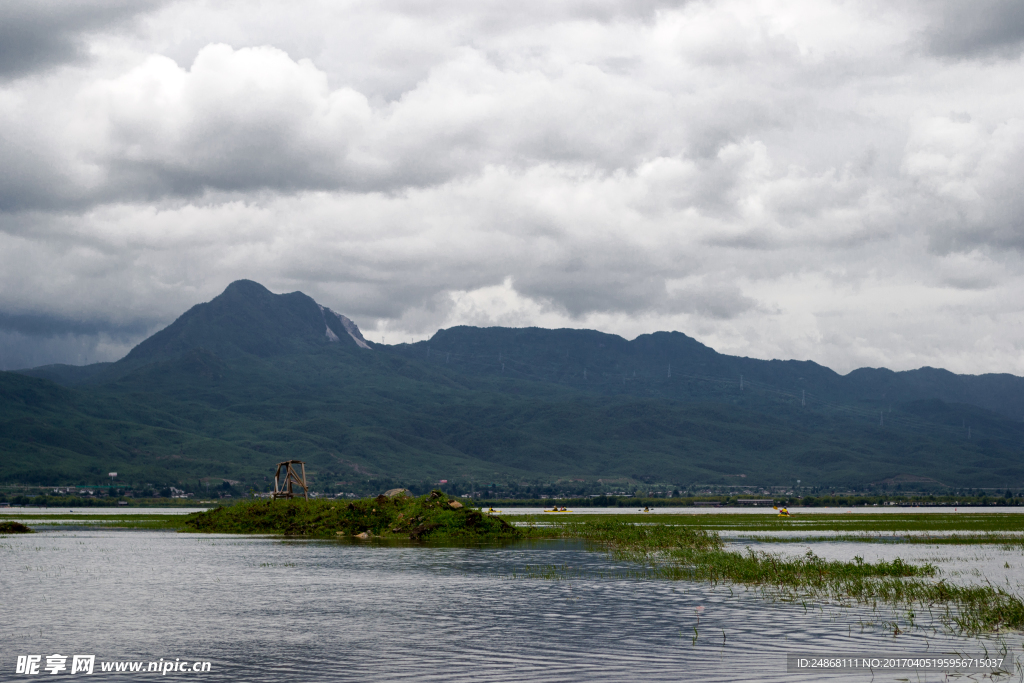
x,y
283,486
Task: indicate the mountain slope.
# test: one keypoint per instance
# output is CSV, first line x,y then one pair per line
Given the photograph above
x,y
55,435
354,422
252,378
608,364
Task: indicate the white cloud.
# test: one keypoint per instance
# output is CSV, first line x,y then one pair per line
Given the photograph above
x,y
778,179
967,172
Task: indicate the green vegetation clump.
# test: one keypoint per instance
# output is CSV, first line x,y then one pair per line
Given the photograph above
x,y
699,554
627,537
434,517
14,528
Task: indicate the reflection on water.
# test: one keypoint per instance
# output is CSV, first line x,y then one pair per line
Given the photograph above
x,y
263,609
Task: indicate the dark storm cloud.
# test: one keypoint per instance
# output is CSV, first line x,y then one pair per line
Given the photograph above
x,y
36,35
42,325
29,340
20,351
976,28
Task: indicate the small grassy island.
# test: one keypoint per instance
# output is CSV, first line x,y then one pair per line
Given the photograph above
x,y
14,528
431,517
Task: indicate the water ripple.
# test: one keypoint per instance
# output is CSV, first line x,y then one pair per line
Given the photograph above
x,y
262,609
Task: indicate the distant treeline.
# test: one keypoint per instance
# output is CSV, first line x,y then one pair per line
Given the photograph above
x,y
732,501
596,501
102,502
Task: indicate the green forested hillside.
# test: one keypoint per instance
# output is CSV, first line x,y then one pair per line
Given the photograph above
x,y
673,365
251,378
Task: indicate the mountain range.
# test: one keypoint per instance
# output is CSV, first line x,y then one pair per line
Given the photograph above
x,y
250,378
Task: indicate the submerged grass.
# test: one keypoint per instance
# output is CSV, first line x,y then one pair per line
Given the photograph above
x,y
700,555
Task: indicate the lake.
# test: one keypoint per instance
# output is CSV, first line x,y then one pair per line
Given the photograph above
x,y
271,609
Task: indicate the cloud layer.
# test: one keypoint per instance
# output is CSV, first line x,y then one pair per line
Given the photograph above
x,y
824,180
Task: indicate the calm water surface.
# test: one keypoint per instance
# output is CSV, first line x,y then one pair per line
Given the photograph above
x,y
266,609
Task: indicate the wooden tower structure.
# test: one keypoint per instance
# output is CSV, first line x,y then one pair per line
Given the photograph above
x,y
287,476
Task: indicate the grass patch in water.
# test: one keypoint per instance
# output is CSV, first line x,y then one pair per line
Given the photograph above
x,y
682,553
113,521
886,522
435,517
1006,541
14,528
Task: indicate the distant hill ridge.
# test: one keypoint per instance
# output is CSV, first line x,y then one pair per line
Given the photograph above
x,y
247,318
611,362
251,378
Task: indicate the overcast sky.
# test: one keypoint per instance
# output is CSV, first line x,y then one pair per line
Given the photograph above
x,y
814,179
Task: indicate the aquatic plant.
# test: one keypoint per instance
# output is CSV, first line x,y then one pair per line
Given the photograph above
x,y
14,528
683,553
629,536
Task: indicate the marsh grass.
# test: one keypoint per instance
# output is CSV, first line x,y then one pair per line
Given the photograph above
x,y
112,521
841,523
682,553
1005,541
